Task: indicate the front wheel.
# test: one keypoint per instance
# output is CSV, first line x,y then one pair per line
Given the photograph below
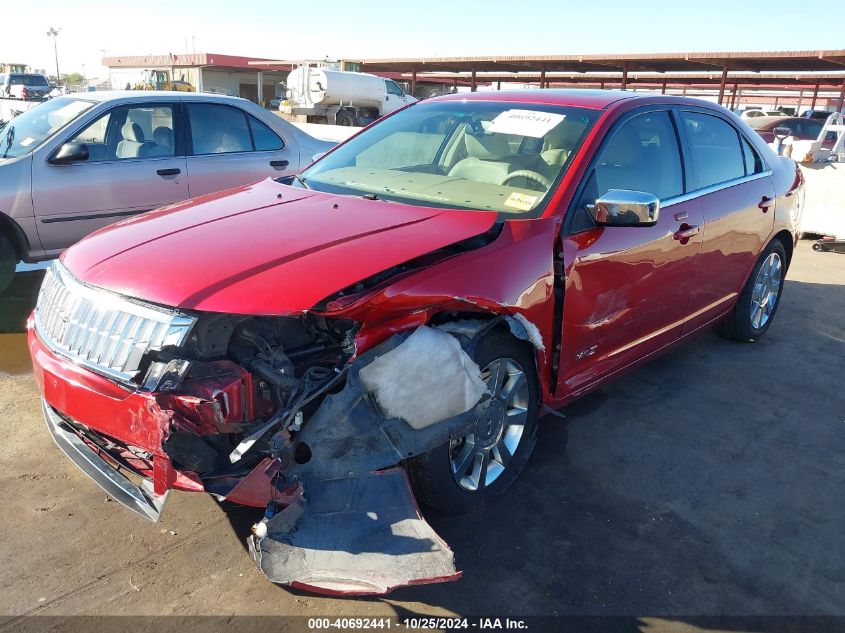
x,y
457,476
758,302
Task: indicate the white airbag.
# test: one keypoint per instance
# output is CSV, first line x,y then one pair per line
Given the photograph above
x,y
426,379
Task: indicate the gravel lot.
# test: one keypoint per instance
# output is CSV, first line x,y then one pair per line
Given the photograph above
x,y
710,482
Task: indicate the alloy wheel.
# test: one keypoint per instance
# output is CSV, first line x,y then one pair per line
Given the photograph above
x,y
477,460
764,295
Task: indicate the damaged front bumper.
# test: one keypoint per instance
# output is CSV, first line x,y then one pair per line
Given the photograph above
x,y
138,498
343,521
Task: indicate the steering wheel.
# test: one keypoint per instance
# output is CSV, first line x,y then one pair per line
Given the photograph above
x,y
528,175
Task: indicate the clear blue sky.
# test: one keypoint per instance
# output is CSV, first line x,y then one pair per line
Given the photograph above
x,y
354,28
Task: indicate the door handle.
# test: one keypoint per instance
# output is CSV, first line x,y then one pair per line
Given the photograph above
x,y
279,164
173,171
685,232
765,203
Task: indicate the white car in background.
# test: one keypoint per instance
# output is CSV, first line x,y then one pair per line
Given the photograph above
x,y
74,164
755,112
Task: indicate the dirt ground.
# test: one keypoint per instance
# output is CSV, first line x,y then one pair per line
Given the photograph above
x,y
710,482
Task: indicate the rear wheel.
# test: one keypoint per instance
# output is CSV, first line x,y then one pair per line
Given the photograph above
x,y
757,304
8,260
457,476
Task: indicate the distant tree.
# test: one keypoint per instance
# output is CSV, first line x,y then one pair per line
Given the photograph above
x,y
73,79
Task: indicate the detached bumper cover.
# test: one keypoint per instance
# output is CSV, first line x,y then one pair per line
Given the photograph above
x,y
140,499
362,535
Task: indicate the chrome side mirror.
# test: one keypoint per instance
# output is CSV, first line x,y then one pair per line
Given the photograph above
x,y
782,132
621,207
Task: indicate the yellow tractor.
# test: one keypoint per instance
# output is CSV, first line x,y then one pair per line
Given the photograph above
x,y
160,80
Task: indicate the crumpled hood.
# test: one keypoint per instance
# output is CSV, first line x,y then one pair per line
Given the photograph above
x,y
262,249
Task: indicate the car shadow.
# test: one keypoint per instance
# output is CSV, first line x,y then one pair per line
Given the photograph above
x,y
18,301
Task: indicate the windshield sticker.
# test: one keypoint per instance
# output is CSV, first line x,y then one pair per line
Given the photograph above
x,y
520,201
525,122
27,142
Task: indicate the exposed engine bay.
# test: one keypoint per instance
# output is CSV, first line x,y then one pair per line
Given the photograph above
x,y
261,377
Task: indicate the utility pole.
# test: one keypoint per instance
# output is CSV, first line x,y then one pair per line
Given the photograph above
x,y
53,33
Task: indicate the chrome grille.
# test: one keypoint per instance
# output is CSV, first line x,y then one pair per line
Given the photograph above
x,y
102,330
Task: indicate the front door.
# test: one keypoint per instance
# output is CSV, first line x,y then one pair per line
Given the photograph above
x,y
628,288
133,166
230,147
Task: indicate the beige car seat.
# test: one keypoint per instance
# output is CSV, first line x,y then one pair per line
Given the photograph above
x,y
163,138
484,161
133,144
557,146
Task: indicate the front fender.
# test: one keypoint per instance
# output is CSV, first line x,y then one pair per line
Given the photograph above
x,y
514,274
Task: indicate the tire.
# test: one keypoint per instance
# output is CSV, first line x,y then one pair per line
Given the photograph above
x,y
438,480
759,300
817,247
8,260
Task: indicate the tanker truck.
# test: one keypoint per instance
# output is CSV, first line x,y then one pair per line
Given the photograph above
x,y
337,97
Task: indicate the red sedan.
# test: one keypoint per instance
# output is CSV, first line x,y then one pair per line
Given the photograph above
x,y
399,316
802,128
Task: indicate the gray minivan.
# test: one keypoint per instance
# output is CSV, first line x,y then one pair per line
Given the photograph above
x,y
74,164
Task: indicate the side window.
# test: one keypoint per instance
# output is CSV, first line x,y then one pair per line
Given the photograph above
x,y
796,127
642,155
218,129
813,128
715,149
130,132
753,164
265,139
393,88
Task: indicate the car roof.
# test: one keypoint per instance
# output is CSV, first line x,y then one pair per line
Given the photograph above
x,y
101,96
593,99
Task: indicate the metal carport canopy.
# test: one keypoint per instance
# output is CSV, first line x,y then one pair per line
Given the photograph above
x,y
775,61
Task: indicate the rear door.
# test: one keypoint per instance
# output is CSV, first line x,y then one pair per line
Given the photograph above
x,y
230,147
135,164
737,199
628,288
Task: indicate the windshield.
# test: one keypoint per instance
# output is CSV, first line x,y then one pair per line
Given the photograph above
x,y
473,155
29,129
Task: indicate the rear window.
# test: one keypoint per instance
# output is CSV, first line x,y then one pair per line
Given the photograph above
x,y
36,81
